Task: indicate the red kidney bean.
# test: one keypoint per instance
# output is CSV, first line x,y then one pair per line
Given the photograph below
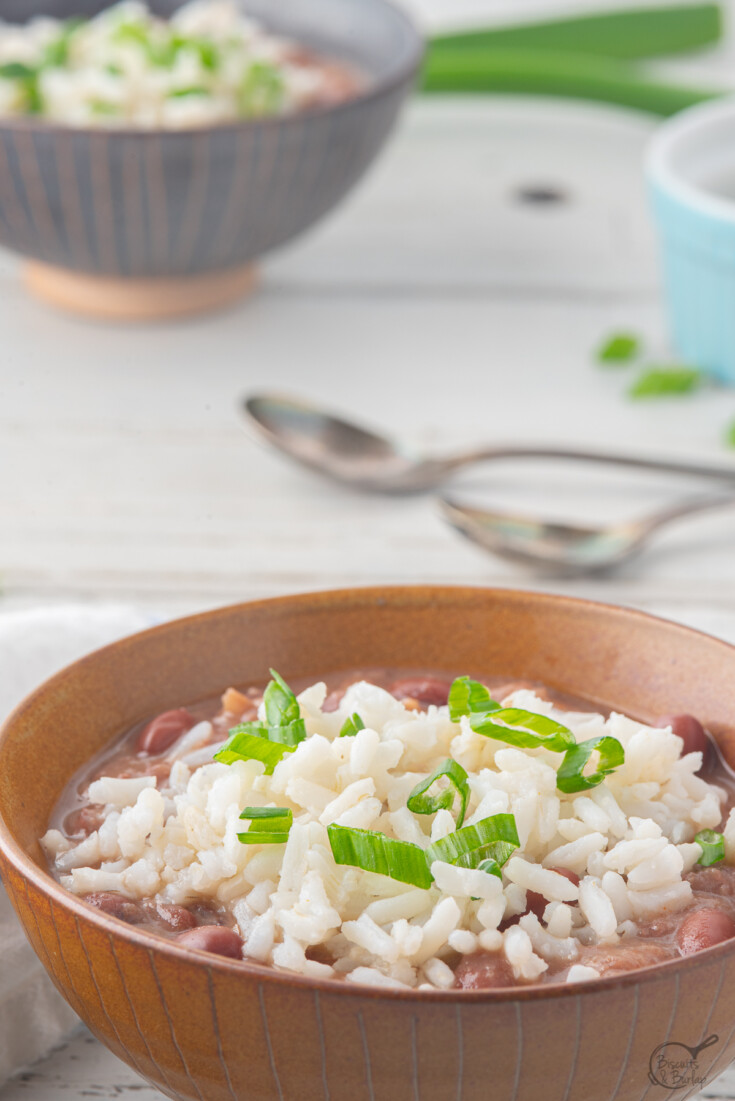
x,y
426,690
703,929
164,730
536,903
213,938
333,700
126,909
177,918
483,971
691,732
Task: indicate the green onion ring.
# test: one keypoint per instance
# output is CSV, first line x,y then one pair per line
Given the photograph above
x,y
570,776
712,845
421,803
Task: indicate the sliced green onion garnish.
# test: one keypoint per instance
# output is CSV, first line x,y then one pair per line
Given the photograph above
x,y
374,852
467,696
102,107
16,70
182,93
261,90
663,381
713,847
422,803
525,729
132,34
56,52
208,52
351,726
570,777
245,744
491,866
27,80
493,838
730,434
619,348
268,825
282,712
267,741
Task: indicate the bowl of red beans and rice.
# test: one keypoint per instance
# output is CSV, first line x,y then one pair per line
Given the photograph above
x,y
462,839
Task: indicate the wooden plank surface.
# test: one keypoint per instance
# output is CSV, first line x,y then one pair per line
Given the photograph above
x,y
126,468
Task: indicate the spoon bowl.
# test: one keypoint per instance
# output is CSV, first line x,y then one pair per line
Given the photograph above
x,y
364,459
338,448
567,549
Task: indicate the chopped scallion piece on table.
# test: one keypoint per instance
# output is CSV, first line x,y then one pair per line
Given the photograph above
x,y
730,435
619,349
659,382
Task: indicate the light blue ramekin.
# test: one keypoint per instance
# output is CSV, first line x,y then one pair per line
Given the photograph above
x,y
690,169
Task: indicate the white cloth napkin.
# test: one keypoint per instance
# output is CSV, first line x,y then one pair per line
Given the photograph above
x,y
33,645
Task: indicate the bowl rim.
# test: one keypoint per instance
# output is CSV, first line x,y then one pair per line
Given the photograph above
x,y
373,90
44,882
662,175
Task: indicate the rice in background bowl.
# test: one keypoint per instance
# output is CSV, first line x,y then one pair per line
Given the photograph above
x,y
179,1017
209,63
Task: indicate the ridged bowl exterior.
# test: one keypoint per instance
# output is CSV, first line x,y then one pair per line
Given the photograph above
x,y
205,1028
139,203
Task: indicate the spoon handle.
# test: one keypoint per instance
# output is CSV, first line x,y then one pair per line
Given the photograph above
x,y
612,458
687,508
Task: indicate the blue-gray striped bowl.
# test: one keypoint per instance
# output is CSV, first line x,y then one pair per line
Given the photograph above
x,y
162,205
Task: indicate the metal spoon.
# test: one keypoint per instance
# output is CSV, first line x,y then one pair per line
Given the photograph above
x,y
345,451
567,548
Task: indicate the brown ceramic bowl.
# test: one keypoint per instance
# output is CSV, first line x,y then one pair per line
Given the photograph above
x,y
203,1027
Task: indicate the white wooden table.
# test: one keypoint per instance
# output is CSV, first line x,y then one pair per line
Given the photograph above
x,y
435,303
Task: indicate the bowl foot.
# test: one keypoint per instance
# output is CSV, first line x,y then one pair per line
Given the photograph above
x,y
115,299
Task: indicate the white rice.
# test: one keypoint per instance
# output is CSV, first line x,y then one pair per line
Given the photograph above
x,y
629,839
